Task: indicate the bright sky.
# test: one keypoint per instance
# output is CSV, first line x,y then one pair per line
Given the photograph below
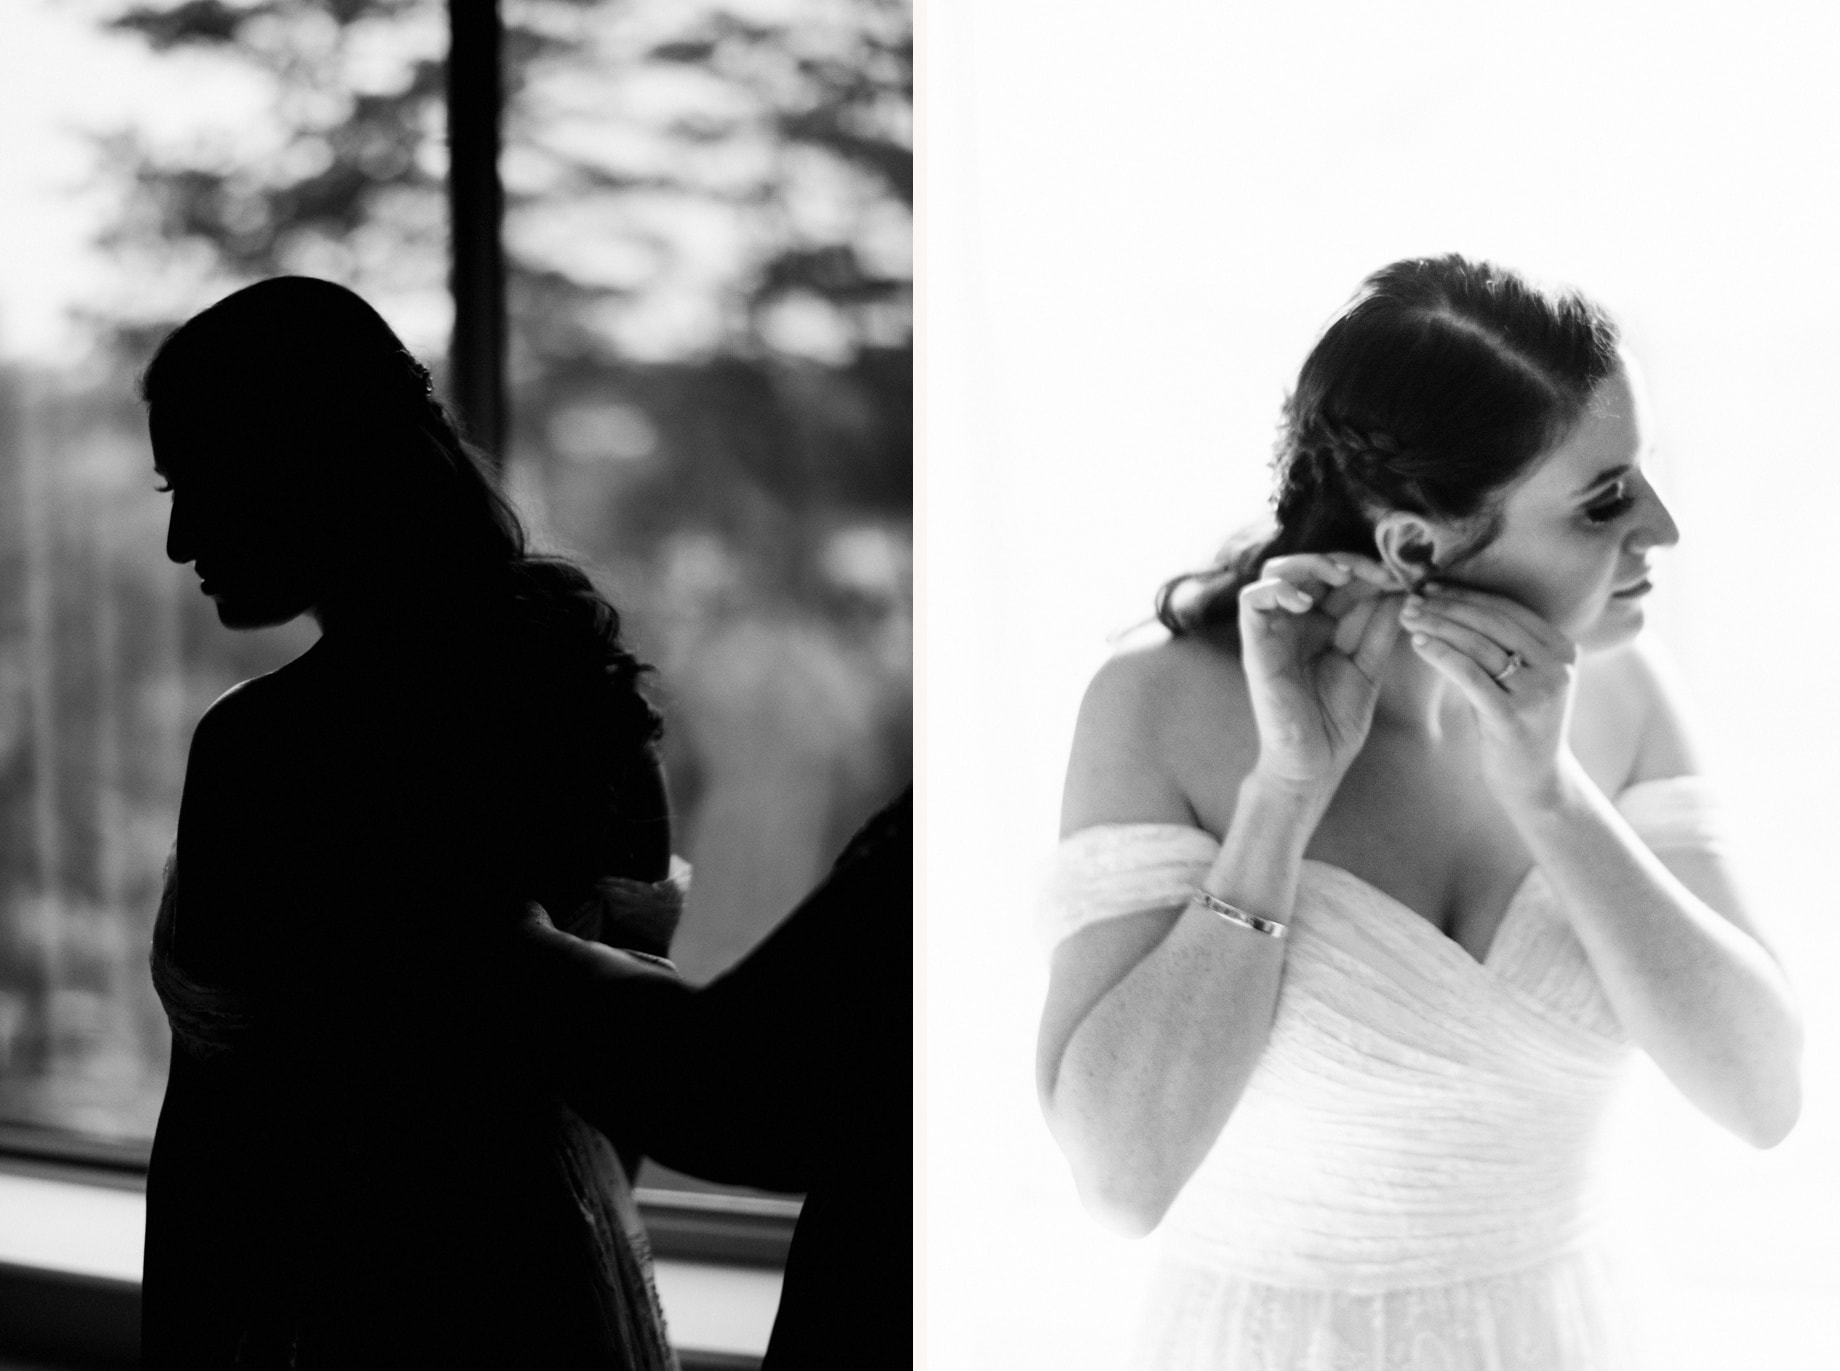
x,y
59,74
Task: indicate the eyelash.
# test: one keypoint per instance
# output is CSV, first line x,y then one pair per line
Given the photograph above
x,y
1612,509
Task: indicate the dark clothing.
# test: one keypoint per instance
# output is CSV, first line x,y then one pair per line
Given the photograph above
x,y
354,1166
793,1071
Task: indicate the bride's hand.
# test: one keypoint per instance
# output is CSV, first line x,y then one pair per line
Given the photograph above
x,y
1315,633
1516,670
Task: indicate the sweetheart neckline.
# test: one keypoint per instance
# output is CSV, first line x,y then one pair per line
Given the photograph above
x,y
1451,945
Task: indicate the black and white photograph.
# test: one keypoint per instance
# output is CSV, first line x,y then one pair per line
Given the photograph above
x,y
1378,754
756,685
456,660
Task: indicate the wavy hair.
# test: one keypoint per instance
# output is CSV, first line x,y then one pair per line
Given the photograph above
x,y
313,375
1437,386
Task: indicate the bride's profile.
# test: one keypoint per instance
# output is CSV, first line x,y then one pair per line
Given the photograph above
x,y
354,1165
1380,862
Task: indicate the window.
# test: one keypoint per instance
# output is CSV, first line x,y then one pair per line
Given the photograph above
x,y
707,267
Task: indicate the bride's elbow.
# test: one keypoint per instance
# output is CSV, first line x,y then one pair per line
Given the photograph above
x,y
1775,1115
1128,1206
1769,1121
1772,1106
1123,1188
1124,1180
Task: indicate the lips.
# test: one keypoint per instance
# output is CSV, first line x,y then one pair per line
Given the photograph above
x,y
1641,587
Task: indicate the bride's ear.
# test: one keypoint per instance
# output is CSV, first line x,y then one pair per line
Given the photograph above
x,y
1410,546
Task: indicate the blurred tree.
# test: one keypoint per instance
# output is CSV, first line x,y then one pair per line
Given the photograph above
x,y
708,232
680,180
709,246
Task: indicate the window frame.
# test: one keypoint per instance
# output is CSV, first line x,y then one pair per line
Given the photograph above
x,y
94,1321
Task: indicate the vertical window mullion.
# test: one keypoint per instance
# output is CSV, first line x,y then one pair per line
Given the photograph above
x,y
476,209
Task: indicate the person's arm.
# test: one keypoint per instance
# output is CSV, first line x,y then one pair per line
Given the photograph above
x,y
199,1179
777,1065
797,1059
221,842
1155,1020
1680,959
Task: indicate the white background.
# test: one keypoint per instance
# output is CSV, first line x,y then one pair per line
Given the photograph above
x,y
1135,219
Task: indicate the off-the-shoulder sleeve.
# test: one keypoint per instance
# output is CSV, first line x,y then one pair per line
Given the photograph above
x,y
1679,812
1111,870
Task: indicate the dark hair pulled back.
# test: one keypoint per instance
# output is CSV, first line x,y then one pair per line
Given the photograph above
x,y
310,375
1434,389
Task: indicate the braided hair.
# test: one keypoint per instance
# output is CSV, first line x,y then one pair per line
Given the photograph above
x,y
1436,387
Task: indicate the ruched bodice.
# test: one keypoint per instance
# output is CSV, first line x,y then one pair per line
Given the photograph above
x,y
1408,1177
1416,1116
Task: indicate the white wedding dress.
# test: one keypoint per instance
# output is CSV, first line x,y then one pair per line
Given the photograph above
x,y
1407,1183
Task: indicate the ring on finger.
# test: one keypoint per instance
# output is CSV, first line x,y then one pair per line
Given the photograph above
x,y
1515,663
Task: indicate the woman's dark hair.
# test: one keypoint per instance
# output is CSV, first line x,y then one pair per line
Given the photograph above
x,y
309,379
1435,388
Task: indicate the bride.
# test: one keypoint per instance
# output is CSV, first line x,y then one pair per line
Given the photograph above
x,y
352,1168
1377,865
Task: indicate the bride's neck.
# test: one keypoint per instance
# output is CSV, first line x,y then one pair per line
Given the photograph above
x,y
1414,696
404,614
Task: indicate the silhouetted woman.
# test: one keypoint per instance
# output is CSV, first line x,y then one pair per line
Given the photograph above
x,y
350,1169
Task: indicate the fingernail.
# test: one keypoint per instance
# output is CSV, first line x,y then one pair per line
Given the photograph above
x,y
1419,640
1413,607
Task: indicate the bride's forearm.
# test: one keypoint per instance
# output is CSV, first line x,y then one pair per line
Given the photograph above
x,y
1150,1075
1690,982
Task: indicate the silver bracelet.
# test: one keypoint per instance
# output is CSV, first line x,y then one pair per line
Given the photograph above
x,y
1271,928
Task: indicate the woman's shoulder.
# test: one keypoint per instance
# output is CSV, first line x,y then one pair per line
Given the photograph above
x,y
248,710
1162,715
1155,677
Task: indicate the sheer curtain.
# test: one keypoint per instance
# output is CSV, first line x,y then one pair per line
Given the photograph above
x,y
1136,220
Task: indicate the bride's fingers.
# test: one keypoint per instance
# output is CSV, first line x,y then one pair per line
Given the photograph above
x,y
1350,617
1273,594
1460,668
1374,643
1483,621
1333,568
1507,621
1303,568
1353,608
1371,570
1480,647
1337,601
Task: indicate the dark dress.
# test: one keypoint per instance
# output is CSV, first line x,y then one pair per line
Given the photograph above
x,y
354,1165
793,1072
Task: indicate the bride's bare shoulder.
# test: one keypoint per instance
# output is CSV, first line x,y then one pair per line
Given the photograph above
x,y
1161,714
1160,681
